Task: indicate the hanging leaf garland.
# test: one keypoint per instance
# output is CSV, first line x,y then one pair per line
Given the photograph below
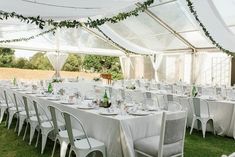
x,y
193,11
75,23
29,38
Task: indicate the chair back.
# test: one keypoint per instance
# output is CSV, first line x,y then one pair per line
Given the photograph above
x,y
68,117
54,113
39,112
174,106
8,98
16,102
161,101
26,106
169,97
196,106
172,130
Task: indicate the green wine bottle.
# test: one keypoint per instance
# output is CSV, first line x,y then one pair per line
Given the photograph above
x,y
194,91
14,81
49,89
105,99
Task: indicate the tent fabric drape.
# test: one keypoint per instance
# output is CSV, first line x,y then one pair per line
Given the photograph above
x,y
124,42
210,17
57,60
156,62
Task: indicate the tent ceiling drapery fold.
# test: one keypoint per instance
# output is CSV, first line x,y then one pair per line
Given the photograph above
x,y
88,51
123,42
209,16
141,34
60,9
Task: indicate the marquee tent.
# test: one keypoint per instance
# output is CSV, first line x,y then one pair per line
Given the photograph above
x,y
166,32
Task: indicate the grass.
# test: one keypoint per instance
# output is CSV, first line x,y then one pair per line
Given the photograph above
x,y
195,146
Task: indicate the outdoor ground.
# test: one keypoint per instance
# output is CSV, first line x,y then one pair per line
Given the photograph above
x,y
195,146
10,73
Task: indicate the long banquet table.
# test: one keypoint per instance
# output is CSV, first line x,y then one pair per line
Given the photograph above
x,y
117,132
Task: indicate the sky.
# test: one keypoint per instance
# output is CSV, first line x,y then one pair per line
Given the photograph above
x,y
24,53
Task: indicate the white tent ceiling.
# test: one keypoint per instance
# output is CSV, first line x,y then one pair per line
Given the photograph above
x,y
65,8
165,26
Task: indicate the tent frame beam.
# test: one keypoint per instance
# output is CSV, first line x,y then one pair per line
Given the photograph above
x,y
167,27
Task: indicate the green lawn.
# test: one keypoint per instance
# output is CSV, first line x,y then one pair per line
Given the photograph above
x,y
195,146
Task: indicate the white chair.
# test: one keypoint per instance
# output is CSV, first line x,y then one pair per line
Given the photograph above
x,y
4,106
170,143
85,146
45,126
24,115
202,117
62,135
172,105
31,120
19,108
14,111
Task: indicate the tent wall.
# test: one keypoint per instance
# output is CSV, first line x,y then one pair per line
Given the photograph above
x,y
212,68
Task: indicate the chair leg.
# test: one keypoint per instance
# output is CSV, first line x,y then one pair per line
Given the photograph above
x,y
36,145
11,115
44,141
7,119
26,129
32,131
203,129
17,122
53,151
103,151
21,123
213,125
63,148
70,152
3,110
191,130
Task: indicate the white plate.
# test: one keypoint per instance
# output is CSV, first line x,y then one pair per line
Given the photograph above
x,y
14,87
30,93
86,107
106,113
139,113
67,103
40,95
53,99
20,90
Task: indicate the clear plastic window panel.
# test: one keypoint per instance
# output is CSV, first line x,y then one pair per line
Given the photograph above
x,y
146,32
173,15
213,68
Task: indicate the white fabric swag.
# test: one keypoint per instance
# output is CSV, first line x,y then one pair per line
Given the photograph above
x,y
210,17
57,60
124,42
156,62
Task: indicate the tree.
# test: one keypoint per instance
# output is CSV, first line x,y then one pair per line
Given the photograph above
x,y
73,63
6,57
40,61
103,64
21,63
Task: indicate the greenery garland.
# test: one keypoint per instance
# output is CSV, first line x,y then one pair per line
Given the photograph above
x,y
68,23
193,11
29,38
74,23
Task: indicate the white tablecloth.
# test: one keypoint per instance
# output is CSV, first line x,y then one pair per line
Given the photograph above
x,y
118,133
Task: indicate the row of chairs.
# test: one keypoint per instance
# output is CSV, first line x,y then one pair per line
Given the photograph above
x,y
49,122
199,107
